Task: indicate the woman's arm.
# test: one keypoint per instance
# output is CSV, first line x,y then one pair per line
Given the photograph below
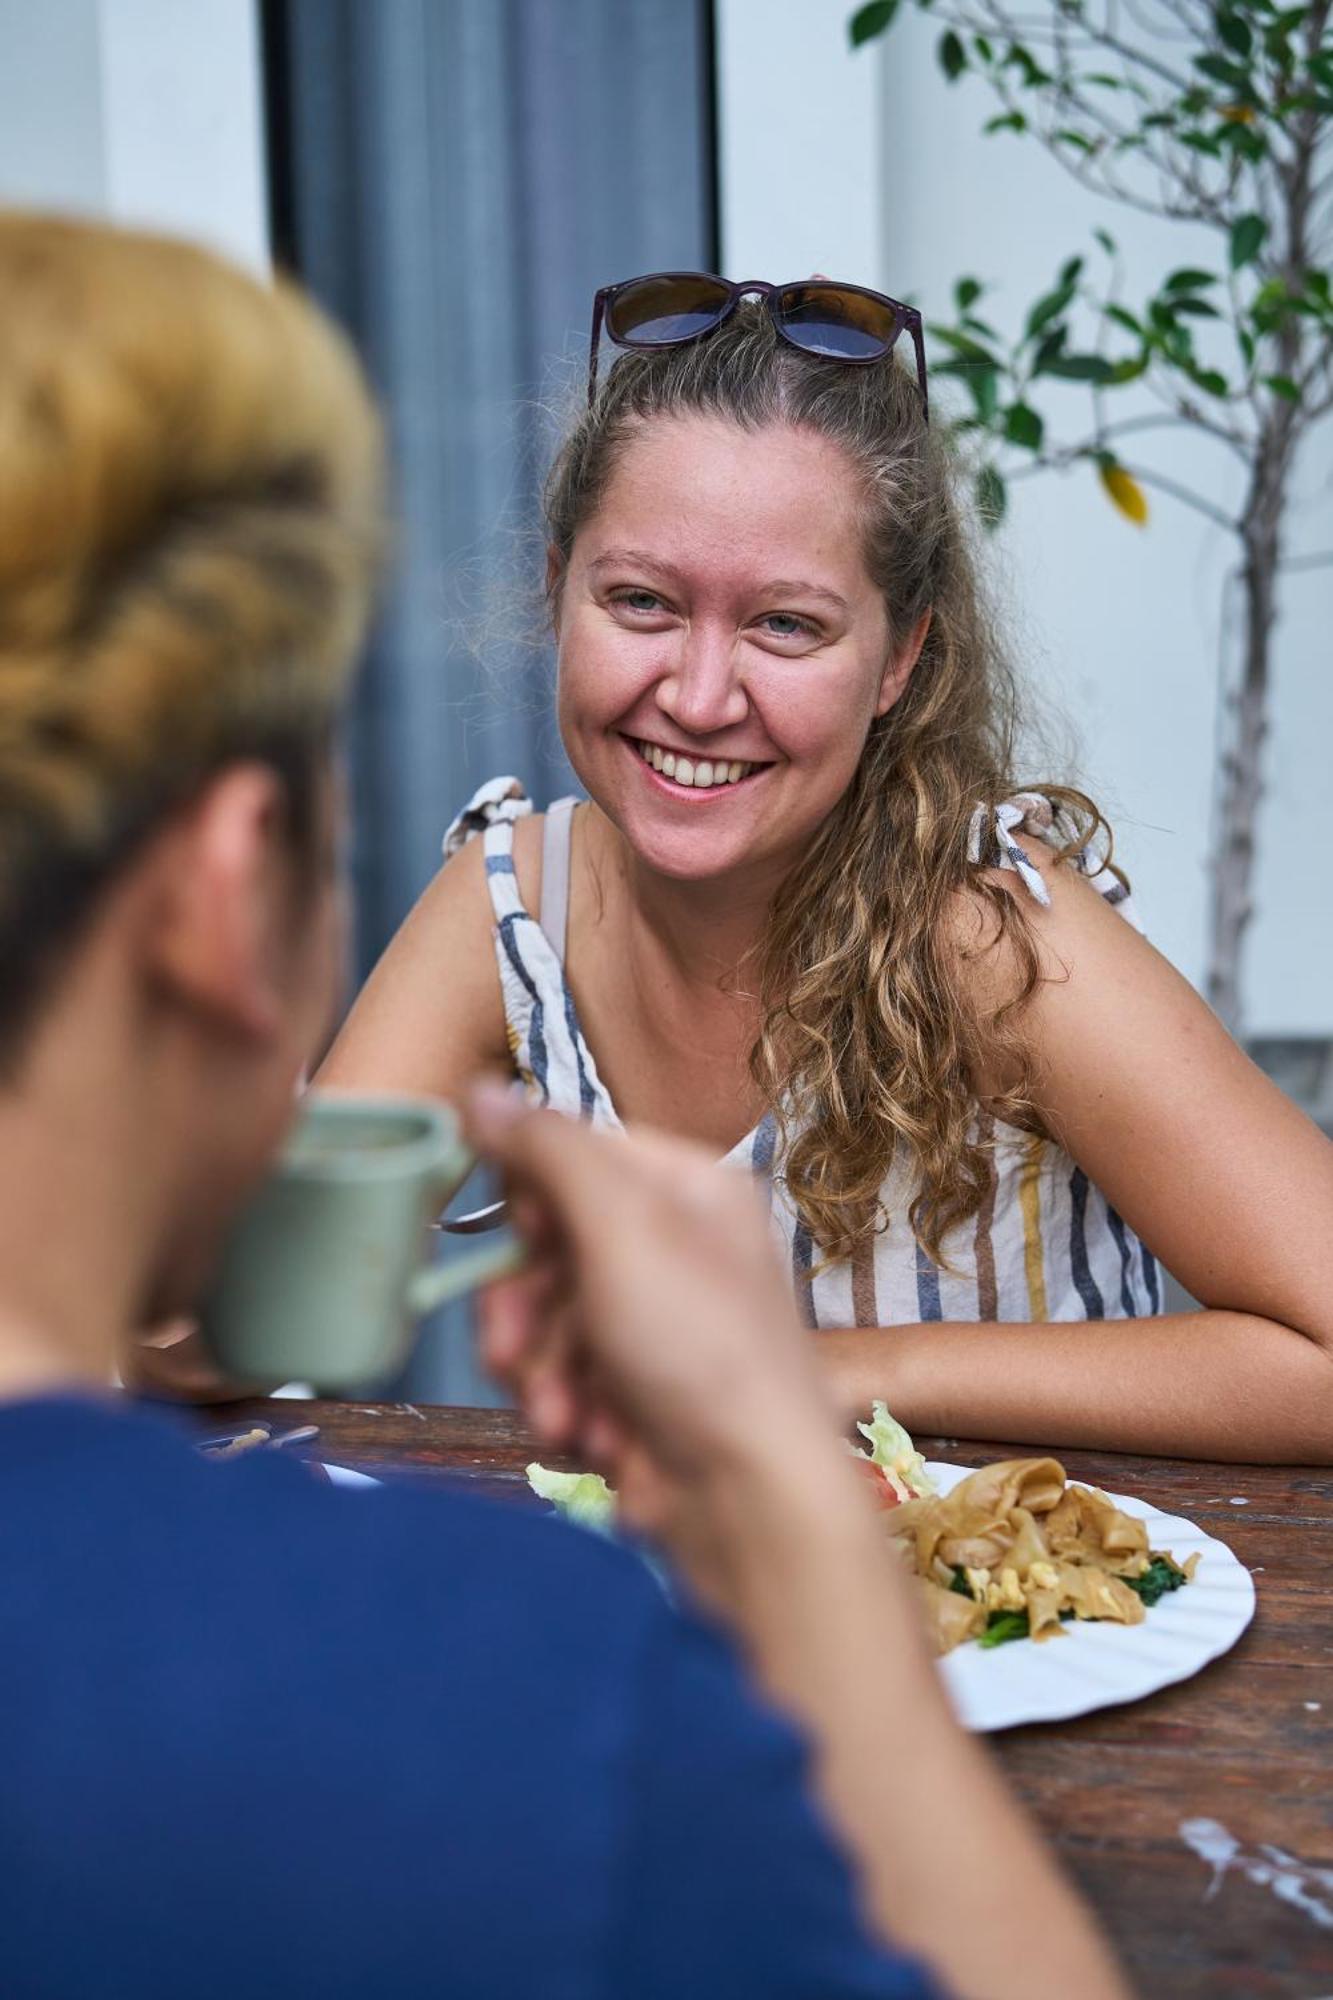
x,y
431,1014
1215,1170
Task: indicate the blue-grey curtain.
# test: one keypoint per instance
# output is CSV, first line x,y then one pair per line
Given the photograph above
x,y
454,179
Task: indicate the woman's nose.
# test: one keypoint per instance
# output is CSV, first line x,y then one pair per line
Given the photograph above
x,y
704,693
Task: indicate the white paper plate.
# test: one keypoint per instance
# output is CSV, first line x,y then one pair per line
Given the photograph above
x,y
1095,1665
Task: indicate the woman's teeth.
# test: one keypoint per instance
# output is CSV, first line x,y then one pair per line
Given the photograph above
x,y
686,771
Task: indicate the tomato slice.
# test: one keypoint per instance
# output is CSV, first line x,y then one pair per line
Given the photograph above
x,y
885,1495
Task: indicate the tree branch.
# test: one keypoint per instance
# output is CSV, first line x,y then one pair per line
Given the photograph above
x,y
1065,461
1321,561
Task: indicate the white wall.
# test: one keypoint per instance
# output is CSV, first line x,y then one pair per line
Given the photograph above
x,y
145,111
870,166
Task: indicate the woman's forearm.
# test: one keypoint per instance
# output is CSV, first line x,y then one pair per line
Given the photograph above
x,y
1208,1384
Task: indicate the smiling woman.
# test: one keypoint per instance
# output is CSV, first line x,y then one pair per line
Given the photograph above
x,y
813,916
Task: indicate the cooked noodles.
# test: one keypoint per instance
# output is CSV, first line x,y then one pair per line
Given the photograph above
x,y
1013,1551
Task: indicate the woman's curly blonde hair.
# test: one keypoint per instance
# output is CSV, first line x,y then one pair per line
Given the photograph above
x,y
868,1049
190,522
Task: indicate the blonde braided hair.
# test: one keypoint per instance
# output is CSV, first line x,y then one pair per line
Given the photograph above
x,y
190,523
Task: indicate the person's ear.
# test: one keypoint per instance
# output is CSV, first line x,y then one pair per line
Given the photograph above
x,y
898,671
220,910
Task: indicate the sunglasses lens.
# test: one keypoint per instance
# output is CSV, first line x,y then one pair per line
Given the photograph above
x,y
652,312
841,324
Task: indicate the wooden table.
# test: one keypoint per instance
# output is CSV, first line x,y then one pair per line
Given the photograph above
x,y
1247,1744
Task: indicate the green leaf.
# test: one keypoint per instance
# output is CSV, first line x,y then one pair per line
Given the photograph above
x,y
1007,121
991,496
963,343
952,55
1211,381
1123,317
1022,425
986,393
1106,240
871,20
983,48
1053,306
1127,371
1189,280
966,293
1078,140
1282,385
1021,59
1052,345
1078,368
1247,235
1071,272
1242,139
1232,76
1271,305
1234,30
1198,308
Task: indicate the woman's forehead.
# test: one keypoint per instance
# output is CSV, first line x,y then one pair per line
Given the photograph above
x,y
686,491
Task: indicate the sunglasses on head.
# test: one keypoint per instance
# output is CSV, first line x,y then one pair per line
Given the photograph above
x,y
843,323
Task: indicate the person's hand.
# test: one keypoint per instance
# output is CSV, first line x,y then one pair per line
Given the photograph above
x,y
654,1331
170,1361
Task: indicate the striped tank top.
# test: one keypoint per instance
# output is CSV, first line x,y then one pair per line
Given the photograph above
x,y
1045,1245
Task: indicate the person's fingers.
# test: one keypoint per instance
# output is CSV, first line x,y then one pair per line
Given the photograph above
x,y
579,1173
168,1333
507,1323
603,1436
549,1403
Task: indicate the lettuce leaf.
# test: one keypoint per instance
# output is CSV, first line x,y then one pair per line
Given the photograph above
x,y
583,1497
892,1450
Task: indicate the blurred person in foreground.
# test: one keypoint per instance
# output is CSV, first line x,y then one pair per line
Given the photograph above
x,y
258,1736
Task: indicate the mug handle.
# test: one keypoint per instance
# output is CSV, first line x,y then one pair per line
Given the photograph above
x,y
437,1283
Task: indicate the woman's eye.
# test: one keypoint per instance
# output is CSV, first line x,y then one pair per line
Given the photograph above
x,y
786,625
639,600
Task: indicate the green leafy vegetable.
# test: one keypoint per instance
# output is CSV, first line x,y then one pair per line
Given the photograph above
x,y
1160,1577
892,1450
1002,1626
583,1497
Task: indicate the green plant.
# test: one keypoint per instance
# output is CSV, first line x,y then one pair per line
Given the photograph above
x,y
1217,116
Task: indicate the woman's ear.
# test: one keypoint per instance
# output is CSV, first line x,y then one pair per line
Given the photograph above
x,y
898,671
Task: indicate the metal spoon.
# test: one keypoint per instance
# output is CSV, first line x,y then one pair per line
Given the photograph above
x,y
493,1216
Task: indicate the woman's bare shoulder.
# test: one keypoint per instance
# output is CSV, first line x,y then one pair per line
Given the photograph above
x,y
431,1014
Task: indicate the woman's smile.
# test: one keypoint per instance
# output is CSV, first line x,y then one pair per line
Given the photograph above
x,y
694,775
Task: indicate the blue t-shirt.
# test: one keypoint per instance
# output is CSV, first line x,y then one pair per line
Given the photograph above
x,y
259,1736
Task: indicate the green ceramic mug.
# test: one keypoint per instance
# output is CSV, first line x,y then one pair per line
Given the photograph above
x,y
324,1275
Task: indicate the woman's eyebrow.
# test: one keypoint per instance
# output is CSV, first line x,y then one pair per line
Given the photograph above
x,y
632,559
783,588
